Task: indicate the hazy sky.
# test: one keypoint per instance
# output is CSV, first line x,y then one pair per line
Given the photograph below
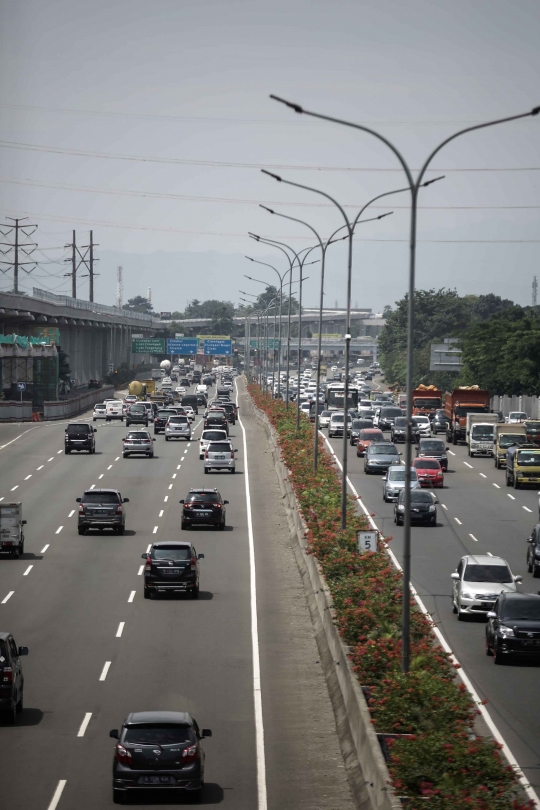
x,y
186,83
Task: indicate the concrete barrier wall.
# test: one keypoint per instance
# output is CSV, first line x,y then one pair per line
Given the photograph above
x,y
75,405
13,411
370,780
531,405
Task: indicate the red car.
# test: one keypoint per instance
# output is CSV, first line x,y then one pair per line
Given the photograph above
x,y
429,472
365,437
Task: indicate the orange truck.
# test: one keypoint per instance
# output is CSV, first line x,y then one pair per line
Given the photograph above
x,y
426,399
460,402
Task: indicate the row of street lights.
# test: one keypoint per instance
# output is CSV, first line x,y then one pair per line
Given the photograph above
x,y
414,184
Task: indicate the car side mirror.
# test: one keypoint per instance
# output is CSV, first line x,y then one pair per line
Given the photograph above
x,y
24,522
126,500
114,734
225,501
206,732
491,614
200,556
455,576
144,556
519,578
447,448
78,500
95,430
435,500
530,540
23,650
153,440
182,501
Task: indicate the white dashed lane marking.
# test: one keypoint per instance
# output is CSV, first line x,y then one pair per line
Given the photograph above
x,y
28,570
5,599
28,476
14,488
165,499
468,465
474,538
483,476
132,596
497,486
71,513
39,468
155,530
120,629
105,670
161,512
57,794
526,508
84,724
444,507
44,549
458,521
141,569
510,496
50,459
59,529
451,453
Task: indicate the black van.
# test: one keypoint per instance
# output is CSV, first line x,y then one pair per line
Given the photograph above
x,y
191,399
80,436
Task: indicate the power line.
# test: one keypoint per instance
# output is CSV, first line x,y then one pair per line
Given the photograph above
x,y
57,150
247,201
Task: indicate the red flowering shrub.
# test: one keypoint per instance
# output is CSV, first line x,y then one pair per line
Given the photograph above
x,y
442,766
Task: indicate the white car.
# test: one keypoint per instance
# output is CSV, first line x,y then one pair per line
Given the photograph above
x,y
211,435
477,583
180,389
190,413
166,384
516,417
99,411
114,409
424,426
305,407
203,389
324,419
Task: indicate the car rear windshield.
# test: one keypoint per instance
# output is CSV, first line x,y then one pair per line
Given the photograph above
x,y
399,475
432,447
487,573
425,464
417,496
159,734
138,434
370,434
166,414
100,497
391,412
525,609
338,417
213,435
219,447
171,553
137,409
383,450
202,497
420,420
99,407
401,421
178,420
76,429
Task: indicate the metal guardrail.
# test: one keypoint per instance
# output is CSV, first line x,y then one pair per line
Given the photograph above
x,y
89,306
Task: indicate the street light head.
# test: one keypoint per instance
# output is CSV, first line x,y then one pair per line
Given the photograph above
x,y
434,180
249,257
275,176
296,107
535,111
267,209
388,214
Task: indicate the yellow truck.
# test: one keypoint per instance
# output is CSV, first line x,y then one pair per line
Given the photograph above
x,y
523,465
505,436
150,386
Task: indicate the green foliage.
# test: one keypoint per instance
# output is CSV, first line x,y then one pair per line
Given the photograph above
x,y
64,370
139,304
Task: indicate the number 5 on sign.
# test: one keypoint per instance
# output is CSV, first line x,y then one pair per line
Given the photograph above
x,y
367,541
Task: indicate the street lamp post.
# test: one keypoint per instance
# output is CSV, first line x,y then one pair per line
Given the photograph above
x,y
414,186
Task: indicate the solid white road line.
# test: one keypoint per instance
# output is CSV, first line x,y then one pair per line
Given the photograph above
x,y
104,671
27,477
510,496
71,513
141,569
84,724
57,793
257,698
474,538
155,530
44,549
40,468
468,465
161,512
120,629
132,596
497,486
483,476
446,647
14,488
458,521
59,529
5,599
452,452
28,570
526,508
165,499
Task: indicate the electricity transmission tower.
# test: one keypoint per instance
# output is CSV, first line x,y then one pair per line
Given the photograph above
x,y
17,247
89,264
78,258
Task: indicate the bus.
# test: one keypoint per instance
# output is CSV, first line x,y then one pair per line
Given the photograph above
x,y
335,397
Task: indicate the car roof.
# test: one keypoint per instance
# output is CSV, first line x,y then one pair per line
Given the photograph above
x,y
4,635
116,491
175,543
138,718
514,596
483,559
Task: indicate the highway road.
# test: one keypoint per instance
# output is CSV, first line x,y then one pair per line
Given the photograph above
x,y
477,514
99,651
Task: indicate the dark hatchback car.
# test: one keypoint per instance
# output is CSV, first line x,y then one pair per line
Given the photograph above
x,y
379,456
216,421
80,436
171,567
11,677
357,426
162,417
159,750
513,627
439,422
399,430
203,507
433,448
533,552
423,508
102,509
137,414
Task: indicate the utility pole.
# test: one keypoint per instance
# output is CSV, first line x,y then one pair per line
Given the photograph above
x,y
534,291
119,287
17,246
89,263
78,258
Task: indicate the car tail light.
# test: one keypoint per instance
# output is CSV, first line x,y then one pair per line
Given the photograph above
x,y
189,754
193,564
123,755
8,675
206,455
148,566
81,509
119,509
232,454
187,506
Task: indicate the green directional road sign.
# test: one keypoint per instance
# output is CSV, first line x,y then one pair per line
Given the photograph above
x,y
273,343
148,346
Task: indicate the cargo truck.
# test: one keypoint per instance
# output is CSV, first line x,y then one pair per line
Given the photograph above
x,y
523,465
11,528
156,374
505,436
479,433
150,386
426,399
458,404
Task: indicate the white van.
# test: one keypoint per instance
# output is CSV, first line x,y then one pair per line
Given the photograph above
x,y
201,389
114,410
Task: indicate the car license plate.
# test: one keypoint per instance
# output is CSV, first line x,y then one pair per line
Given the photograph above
x,y
204,514
533,643
170,571
487,605
100,511
157,780
219,457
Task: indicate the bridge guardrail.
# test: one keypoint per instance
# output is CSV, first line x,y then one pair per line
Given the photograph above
x,y
76,405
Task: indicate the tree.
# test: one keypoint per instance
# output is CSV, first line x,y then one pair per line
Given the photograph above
x,y
64,370
139,304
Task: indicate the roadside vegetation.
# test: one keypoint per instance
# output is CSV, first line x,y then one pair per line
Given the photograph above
x,y
435,758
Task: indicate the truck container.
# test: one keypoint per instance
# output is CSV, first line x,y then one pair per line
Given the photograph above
x,y
156,374
523,465
137,388
458,404
479,433
165,365
11,528
505,436
150,386
426,399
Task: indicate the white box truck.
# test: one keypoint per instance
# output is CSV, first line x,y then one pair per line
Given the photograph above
x,y
11,528
479,433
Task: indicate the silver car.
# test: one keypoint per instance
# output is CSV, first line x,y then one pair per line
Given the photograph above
x,y
477,583
324,419
394,482
210,435
150,411
219,456
178,427
138,442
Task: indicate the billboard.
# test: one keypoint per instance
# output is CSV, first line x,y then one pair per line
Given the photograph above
x,y
217,346
214,337
148,346
165,316
182,345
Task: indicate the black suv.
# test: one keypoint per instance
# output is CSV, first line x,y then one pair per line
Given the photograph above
x,y
230,410
439,422
162,417
11,676
80,436
102,509
513,626
533,552
203,506
137,414
159,750
171,567
388,416
398,431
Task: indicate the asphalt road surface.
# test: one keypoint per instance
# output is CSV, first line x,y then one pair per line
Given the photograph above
x,y
477,514
99,651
